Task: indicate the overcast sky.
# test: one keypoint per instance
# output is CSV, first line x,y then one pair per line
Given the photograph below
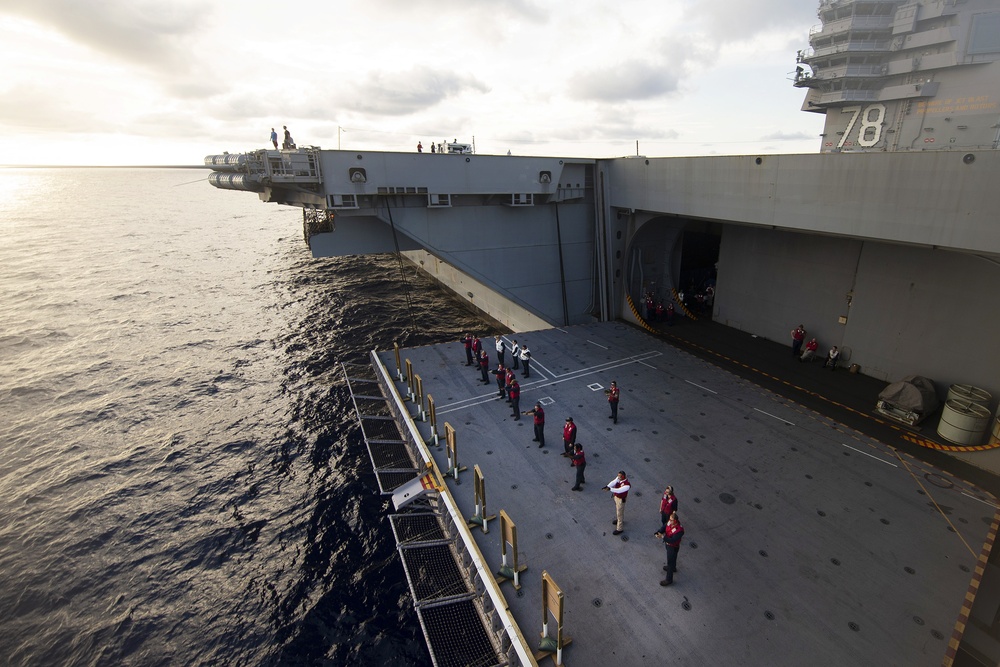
x,y
170,81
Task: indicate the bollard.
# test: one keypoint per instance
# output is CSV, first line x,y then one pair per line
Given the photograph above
x,y
432,412
420,397
409,380
399,369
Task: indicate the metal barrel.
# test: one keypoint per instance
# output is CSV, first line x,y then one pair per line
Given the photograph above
x,y
963,422
969,394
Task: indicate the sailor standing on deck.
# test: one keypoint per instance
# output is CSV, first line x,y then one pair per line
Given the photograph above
x,y
274,138
671,533
619,487
477,347
501,374
668,505
539,415
613,396
514,391
798,335
515,355
526,360
569,437
508,380
468,349
501,348
484,366
580,463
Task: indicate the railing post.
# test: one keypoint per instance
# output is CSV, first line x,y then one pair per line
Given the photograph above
x,y
399,369
552,602
432,411
420,397
409,381
451,442
508,535
480,518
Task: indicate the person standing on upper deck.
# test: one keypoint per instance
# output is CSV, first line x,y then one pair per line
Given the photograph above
x,y
526,360
619,487
539,415
515,355
274,138
613,396
501,348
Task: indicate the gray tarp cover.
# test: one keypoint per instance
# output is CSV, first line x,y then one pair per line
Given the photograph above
x,y
914,393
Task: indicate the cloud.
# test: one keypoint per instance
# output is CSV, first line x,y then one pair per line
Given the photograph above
x,y
741,21
632,80
787,136
153,34
401,93
38,108
435,10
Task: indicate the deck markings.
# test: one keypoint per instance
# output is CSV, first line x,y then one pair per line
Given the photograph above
x,y
888,463
545,382
985,502
710,391
603,347
774,416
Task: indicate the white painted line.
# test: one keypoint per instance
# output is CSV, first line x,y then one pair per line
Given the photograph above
x,y
647,365
563,330
775,416
546,401
597,386
710,391
980,500
598,345
888,463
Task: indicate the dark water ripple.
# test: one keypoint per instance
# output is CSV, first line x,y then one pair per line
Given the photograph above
x,y
181,478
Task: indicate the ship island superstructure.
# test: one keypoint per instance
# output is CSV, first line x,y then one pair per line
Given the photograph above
x,y
898,75
885,243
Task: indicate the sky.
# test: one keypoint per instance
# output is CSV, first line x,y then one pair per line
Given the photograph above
x,y
167,82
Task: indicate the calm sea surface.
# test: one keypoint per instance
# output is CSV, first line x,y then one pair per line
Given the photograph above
x,y
182,481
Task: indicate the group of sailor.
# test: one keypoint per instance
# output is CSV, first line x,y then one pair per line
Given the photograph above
x,y
509,388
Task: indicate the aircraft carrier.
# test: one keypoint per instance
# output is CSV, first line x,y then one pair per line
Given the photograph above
x,y
884,243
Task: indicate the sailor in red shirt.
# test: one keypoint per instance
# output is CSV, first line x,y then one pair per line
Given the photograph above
x,y
468,349
501,374
539,414
569,436
613,395
671,533
484,366
508,380
514,391
668,504
580,463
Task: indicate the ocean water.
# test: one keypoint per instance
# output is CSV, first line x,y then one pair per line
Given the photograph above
x,y
182,481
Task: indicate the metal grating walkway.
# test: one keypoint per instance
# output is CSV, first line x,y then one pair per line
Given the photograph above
x,y
455,613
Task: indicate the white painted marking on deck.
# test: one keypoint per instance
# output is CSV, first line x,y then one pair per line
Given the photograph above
x,y
598,345
985,502
647,365
706,389
574,375
888,463
597,386
775,416
547,400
